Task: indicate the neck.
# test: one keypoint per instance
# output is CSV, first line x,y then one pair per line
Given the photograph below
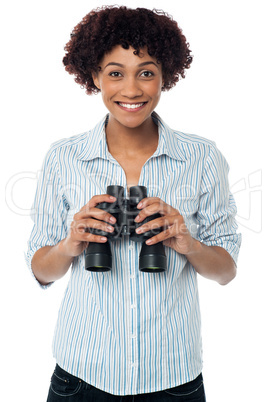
x,y
131,140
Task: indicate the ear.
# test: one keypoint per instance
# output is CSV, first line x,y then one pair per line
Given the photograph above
x,y
96,80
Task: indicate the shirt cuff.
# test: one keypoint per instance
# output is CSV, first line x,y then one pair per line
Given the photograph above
x,y
231,247
28,258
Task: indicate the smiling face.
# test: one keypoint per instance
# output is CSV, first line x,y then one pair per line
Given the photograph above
x,y
130,85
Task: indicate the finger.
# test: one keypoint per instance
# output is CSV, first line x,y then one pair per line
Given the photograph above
x,y
164,235
102,215
95,212
177,229
97,199
154,206
84,224
164,222
89,237
147,201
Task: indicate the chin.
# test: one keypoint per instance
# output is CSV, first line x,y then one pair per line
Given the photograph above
x,y
132,121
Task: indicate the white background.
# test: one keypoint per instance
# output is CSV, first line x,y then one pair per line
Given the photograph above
x,y
222,98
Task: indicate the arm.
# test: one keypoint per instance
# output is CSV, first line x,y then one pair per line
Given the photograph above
x,y
53,246
214,255
212,262
51,263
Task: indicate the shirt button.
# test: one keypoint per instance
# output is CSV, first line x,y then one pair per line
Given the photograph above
x,y
133,305
133,365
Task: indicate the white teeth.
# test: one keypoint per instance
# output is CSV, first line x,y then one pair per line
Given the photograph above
x,y
131,106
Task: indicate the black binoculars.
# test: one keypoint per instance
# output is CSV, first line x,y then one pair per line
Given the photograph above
x,y
98,256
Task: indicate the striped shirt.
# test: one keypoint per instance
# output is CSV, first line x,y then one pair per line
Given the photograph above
x,y
126,331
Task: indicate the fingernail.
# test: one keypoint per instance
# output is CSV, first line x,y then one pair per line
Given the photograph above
x,y
149,241
140,205
112,219
112,198
103,238
109,229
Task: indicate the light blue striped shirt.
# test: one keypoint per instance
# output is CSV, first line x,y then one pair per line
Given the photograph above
x,y
126,331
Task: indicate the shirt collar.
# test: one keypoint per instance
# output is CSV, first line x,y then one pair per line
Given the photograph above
x,y
169,143
95,145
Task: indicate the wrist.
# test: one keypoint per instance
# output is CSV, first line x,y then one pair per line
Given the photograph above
x,y
63,249
195,249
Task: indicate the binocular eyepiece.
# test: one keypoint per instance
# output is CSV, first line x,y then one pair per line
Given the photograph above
x,y
98,256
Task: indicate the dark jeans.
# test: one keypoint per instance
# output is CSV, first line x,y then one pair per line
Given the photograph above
x,y
67,388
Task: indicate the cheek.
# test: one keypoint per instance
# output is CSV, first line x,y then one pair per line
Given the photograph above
x,y
105,95
108,90
156,94
155,90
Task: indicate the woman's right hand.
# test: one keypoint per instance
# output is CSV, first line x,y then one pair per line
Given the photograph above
x,y
88,217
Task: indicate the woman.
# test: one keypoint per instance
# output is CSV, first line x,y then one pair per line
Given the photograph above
x,y
125,334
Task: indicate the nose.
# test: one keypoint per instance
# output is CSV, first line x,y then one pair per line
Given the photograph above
x,y
131,88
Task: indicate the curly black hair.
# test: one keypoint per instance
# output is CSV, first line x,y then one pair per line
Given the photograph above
x,y
106,27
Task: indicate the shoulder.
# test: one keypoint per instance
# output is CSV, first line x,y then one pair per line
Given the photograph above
x,y
205,150
193,140
201,149
195,149
73,143
66,148
195,146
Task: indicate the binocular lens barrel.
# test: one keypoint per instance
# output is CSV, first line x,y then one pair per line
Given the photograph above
x,y
98,257
152,258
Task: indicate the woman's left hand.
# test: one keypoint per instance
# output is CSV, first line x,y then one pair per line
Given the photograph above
x,y
174,231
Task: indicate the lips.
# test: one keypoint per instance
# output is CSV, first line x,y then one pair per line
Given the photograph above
x,y
131,106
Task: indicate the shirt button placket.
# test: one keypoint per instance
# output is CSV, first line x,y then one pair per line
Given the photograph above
x,y
133,326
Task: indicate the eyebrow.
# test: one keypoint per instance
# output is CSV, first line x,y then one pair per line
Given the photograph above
x,y
145,63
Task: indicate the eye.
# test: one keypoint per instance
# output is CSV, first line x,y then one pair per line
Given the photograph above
x,y
115,74
147,74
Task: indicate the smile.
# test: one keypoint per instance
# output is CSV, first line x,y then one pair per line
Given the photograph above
x,y
131,106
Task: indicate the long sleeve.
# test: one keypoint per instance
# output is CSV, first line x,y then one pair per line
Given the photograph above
x,y
49,209
217,209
